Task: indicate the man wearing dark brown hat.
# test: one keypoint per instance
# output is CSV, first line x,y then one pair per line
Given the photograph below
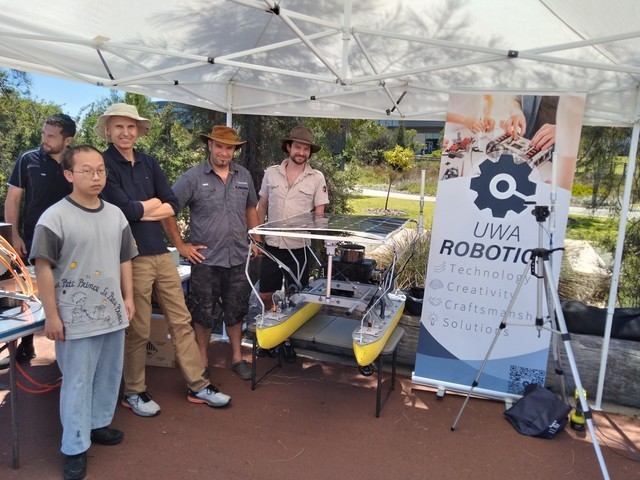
x,y
289,189
222,201
139,187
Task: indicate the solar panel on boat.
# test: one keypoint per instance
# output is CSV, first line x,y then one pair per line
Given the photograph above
x,y
310,225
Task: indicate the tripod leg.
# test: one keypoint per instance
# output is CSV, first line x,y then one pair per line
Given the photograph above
x,y
555,345
572,362
503,324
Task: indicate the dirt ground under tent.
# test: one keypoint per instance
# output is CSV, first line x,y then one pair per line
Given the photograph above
x,y
311,420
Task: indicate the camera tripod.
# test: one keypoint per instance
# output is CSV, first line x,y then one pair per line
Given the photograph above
x,y
539,266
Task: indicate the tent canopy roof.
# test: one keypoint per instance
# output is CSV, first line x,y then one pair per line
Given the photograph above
x,y
379,59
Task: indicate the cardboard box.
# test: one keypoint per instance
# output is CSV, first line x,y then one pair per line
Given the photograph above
x,y
160,350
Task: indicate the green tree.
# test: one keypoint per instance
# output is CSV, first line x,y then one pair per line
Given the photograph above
x,y
364,140
600,148
399,160
599,167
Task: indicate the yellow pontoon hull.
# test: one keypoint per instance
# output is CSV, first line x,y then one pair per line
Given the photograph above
x,y
272,334
367,353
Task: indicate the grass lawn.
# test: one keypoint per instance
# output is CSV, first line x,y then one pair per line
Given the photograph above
x,y
593,229
361,204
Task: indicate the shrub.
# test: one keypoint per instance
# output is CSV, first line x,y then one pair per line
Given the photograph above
x,y
580,190
411,266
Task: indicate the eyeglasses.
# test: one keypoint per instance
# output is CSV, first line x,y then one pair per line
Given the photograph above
x,y
88,174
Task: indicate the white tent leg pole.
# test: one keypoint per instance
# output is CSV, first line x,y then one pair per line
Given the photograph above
x,y
229,105
421,217
225,337
613,290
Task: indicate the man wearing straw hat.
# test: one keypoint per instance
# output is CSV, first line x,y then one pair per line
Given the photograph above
x,y
222,202
138,186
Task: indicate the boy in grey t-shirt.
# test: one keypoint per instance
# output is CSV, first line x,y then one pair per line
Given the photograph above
x,y
82,248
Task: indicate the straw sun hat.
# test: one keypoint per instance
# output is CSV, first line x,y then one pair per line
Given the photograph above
x,y
122,110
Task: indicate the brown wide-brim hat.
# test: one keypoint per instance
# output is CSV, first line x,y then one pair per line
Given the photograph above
x,y
122,110
223,134
302,135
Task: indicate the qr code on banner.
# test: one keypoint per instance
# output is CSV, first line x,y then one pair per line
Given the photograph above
x,y
520,377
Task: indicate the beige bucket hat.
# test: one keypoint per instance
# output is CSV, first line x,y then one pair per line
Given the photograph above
x,y
122,110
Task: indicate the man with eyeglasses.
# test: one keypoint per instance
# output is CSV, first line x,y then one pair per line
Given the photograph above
x,y
83,268
139,187
38,177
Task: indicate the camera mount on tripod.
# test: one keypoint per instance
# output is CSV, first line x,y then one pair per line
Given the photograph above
x,y
541,212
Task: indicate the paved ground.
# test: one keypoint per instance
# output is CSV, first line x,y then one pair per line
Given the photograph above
x,y
311,420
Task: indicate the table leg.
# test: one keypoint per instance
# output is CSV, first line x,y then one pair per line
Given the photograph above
x,y
13,385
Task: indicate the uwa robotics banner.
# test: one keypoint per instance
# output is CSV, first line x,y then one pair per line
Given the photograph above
x,y
502,156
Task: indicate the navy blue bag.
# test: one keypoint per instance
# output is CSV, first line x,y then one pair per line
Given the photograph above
x,y
539,413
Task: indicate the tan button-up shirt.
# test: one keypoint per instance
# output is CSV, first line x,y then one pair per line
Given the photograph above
x,y
284,201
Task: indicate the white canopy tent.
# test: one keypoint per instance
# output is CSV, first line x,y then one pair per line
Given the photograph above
x,y
376,59
334,58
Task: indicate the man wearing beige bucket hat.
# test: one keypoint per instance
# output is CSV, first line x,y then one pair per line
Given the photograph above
x,y
289,189
139,187
222,202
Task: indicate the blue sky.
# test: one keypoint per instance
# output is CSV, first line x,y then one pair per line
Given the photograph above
x,y
71,96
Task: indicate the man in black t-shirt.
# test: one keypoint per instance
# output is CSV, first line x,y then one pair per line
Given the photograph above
x,y
38,176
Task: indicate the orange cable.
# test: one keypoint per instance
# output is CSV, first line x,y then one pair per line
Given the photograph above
x,y
34,392
34,382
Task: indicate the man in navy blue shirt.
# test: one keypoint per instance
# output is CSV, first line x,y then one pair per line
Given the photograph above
x,y
139,187
38,176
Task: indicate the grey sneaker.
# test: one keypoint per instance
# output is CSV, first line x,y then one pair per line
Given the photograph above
x,y
209,395
141,404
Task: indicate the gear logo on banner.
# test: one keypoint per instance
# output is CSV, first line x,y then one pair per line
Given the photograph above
x,y
503,186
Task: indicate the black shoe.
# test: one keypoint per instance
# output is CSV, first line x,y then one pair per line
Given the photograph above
x,y
288,353
106,436
75,466
262,352
25,353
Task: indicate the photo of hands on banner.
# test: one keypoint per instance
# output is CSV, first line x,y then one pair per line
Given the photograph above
x,y
529,127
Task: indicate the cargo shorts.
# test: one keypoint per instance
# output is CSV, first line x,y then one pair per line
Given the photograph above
x,y
210,284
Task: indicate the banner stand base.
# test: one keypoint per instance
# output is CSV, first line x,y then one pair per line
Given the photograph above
x,y
442,387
